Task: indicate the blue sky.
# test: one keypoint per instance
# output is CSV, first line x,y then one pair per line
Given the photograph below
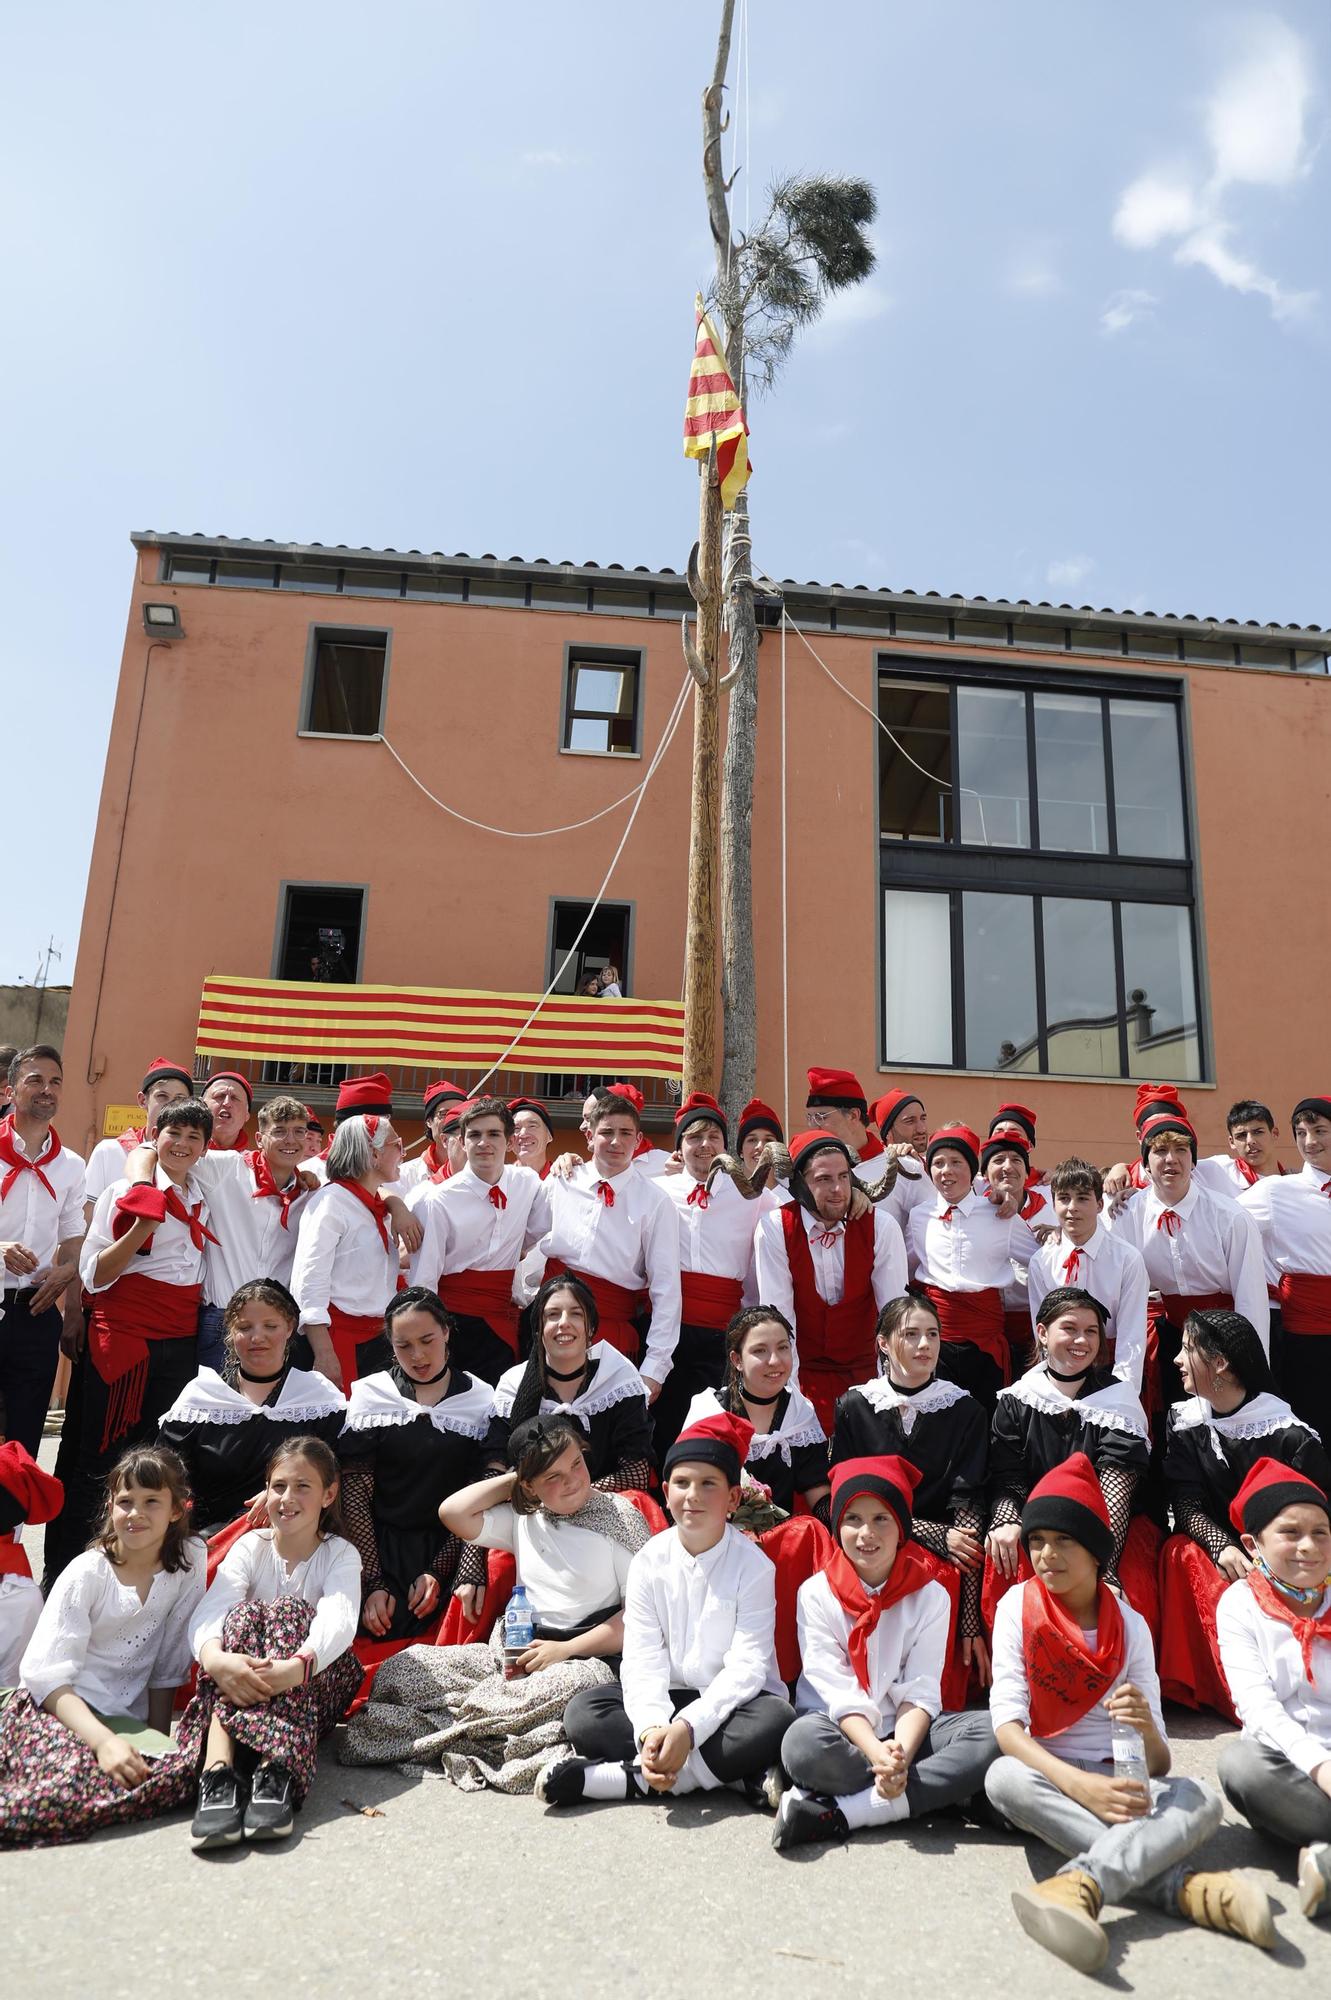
x,y
422,275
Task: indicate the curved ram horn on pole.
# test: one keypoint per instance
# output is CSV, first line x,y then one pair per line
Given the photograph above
x,y
773,1161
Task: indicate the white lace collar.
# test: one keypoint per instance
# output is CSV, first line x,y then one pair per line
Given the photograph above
x,y
882,1394
615,1380
376,1401
798,1427
1258,1417
210,1400
1115,1407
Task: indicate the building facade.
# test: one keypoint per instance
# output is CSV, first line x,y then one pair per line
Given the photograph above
x,y
999,849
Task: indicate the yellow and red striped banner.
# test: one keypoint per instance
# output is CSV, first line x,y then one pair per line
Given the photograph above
x,y
293,1020
714,413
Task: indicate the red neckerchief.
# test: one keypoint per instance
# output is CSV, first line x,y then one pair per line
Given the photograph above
x,y
199,1232
908,1573
606,1192
948,1213
242,1141
437,1169
19,1163
1066,1679
1305,1630
644,1145
375,1204
265,1185
498,1199
1245,1172
698,1195
1034,1203
1170,1221
871,1148
1071,1268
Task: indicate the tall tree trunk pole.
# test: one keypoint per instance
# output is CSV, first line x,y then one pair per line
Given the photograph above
x,y
700,936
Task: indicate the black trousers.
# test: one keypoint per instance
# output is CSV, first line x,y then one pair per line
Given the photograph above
x,y
699,1363
477,1347
962,1362
747,1743
29,1357
1307,1372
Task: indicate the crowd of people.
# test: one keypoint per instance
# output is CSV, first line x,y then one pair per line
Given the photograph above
x,y
869,1471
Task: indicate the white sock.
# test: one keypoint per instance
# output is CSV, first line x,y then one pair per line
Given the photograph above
x,y
605,1781
870,1808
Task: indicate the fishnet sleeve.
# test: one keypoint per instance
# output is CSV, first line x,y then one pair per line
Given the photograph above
x,y
931,1535
473,1566
636,1472
447,1560
358,1518
1117,1483
822,1511
1006,1511
1193,1520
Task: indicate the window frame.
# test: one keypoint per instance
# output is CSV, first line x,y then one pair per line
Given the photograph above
x,y
284,889
321,632
627,904
956,867
578,653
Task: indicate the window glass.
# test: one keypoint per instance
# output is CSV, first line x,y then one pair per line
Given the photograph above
x,y
247,575
1161,987
1148,787
371,583
978,632
308,576
602,706
623,603
347,686
998,935
199,569
863,618
494,590
991,741
1080,991
425,583
558,596
1070,773
1043,638
915,761
917,977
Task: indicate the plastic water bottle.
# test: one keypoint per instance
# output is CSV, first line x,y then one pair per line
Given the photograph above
x,y
1130,1755
520,1630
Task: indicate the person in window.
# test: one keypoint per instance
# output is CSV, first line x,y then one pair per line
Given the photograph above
x,y
608,986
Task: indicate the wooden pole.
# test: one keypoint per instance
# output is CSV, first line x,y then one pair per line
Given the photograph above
x,y
700,953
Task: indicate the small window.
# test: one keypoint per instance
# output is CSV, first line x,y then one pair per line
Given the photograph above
x,y
320,934
309,576
434,586
247,575
199,569
915,761
344,683
371,583
497,590
605,943
558,596
917,959
601,703
623,603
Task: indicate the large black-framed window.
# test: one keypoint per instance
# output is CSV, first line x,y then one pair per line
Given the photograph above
x,y
1038,889
602,707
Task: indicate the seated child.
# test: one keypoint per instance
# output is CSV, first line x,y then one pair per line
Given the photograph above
x,y
699,1703
26,1494
1070,1664
273,1641
102,1668
872,1745
1274,1626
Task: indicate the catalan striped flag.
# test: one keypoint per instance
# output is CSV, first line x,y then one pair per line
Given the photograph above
x,y
714,413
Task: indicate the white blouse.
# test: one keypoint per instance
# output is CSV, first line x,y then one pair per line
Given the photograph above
x,y
907,1653
96,1636
568,1573
329,1580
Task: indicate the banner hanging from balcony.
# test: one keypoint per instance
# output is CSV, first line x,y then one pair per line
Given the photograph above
x,y
292,1020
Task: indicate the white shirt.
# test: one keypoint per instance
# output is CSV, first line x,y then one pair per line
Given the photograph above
x,y
98,1638
171,1259
252,1570
772,1262
653,1162
906,1194
1263,1664
1294,1218
705,1622
1217,1248
1112,1272
29,1216
106,1164
251,1240
716,1230
1089,1740
340,1258
465,1231
907,1651
974,1252
635,1243
569,1573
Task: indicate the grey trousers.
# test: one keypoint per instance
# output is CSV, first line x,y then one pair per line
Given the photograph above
x,y
949,1765
746,1745
1272,1794
1142,1857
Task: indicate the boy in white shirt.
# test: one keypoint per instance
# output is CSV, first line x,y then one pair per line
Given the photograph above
x,y
1274,1627
872,1746
1085,1253
699,1703
1071,1665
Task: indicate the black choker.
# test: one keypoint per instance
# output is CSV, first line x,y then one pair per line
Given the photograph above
x,y
903,1390
1054,1375
430,1380
761,1402
553,1374
245,1375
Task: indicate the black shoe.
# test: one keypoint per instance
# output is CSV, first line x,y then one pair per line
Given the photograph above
x,y
800,1821
270,1814
221,1810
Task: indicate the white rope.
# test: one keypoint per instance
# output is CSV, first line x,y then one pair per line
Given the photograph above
x,y
785,951
508,832
661,748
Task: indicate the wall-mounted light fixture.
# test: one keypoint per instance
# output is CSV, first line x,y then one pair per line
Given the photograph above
x,y
162,621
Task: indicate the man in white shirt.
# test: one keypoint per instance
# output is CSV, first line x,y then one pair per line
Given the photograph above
x,y
258,1199
533,1134
442,1103
1202,1253
229,1095
478,1226
1293,1214
830,1274
41,1230
1084,1253
614,1228
1274,1628
164,1082
904,1125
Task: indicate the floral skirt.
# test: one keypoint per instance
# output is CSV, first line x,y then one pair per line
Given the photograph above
x,y
52,1788
286,1729
451,1706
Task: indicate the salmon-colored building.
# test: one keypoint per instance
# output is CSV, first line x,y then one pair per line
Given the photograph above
x,y
999,849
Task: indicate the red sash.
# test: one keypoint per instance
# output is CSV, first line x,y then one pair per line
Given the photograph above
x,y
708,1301
40,1494
974,1316
13,1561
1065,1678
839,1336
1305,1302
617,1306
348,1331
135,1310
1175,1307
486,1295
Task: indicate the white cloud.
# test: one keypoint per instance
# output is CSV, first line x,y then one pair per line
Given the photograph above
x,y
1255,126
1069,573
845,311
1123,309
